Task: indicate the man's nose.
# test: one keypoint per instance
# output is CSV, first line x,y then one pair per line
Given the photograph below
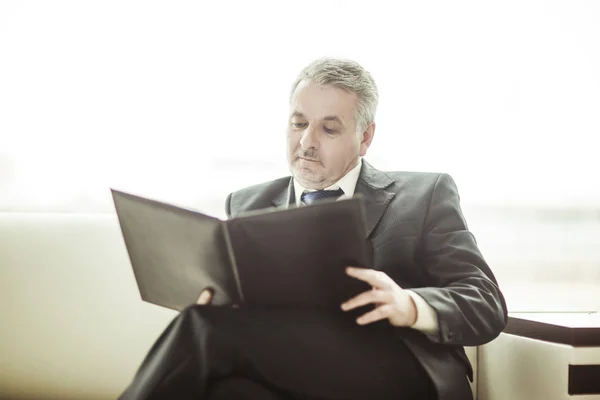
x,y
309,138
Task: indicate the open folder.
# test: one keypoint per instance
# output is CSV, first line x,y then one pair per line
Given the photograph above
x,y
269,258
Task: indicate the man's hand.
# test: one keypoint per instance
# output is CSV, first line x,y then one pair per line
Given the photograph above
x,y
393,302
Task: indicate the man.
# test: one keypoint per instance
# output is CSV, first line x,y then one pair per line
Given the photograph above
x,y
432,292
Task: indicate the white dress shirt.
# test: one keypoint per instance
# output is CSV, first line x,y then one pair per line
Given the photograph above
x,y
347,183
427,321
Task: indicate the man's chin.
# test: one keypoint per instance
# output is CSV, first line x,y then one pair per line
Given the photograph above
x,y
307,176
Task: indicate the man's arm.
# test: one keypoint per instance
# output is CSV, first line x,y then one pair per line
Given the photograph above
x,y
464,294
427,320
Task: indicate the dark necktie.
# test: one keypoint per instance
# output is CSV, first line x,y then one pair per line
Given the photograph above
x,y
312,197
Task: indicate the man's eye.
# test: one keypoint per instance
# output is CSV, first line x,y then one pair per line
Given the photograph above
x,y
298,125
329,131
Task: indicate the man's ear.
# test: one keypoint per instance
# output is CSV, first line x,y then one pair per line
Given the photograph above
x,y
367,138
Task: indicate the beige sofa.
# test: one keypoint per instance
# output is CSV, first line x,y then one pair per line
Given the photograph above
x,y
73,324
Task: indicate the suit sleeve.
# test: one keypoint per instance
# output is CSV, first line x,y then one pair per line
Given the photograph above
x,y
464,293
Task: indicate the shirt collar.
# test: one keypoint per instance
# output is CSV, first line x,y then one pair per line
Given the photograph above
x,y
347,183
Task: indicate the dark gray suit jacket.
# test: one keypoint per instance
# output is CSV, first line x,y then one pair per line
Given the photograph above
x,y
420,239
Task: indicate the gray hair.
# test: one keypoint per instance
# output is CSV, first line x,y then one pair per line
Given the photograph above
x,y
348,75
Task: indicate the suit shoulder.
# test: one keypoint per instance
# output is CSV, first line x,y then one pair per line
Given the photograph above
x,y
423,182
256,196
277,184
417,176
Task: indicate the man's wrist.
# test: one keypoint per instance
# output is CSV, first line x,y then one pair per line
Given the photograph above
x,y
426,317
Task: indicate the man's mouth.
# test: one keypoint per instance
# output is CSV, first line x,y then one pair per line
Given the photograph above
x,y
308,159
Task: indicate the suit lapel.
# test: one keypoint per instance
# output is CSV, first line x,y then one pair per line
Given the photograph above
x,y
371,185
285,197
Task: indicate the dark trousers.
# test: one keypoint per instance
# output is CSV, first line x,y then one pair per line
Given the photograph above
x,y
229,353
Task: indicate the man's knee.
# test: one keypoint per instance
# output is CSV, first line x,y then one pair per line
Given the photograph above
x,y
194,311
206,314
218,324
239,388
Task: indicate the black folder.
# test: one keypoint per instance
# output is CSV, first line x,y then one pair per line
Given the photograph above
x,y
294,257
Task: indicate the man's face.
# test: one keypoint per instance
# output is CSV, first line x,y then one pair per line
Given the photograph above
x,y
323,143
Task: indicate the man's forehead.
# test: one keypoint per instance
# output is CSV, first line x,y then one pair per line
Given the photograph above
x,y
326,117
315,101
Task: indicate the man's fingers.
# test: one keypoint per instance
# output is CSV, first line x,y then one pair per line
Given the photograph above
x,y
377,279
205,297
381,312
372,296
